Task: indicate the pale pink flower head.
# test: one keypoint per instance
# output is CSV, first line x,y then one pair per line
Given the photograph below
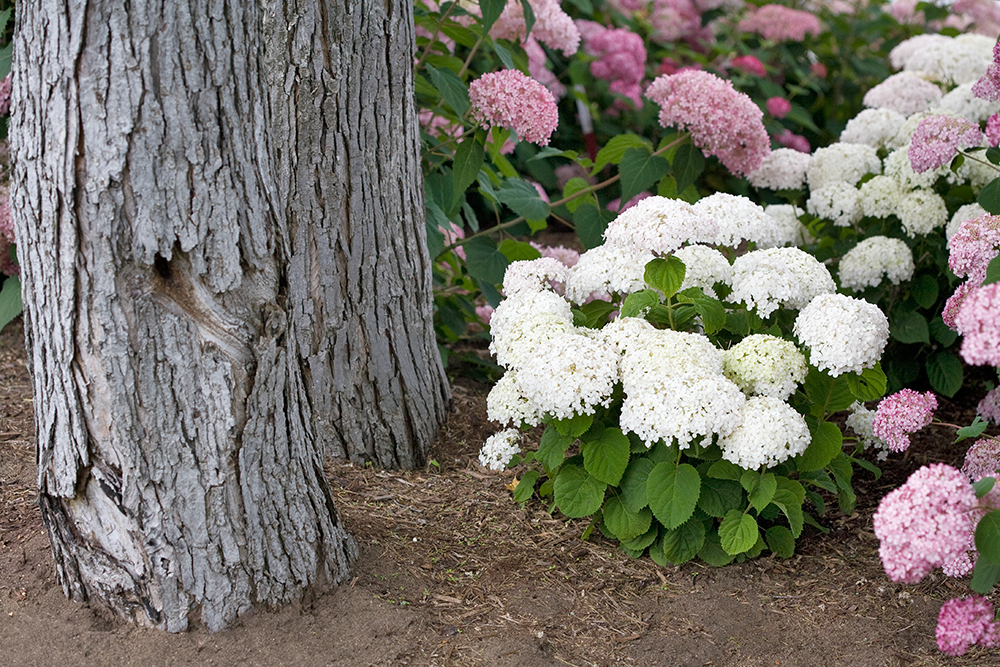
x,y
989,409
722,122
750,65
553,27
453,233
954,304
517,102
672,20
621,59
819,69
788,139
903,92
780,24
965,622
973,246
539,69
485,313
901,414
988,85
925,523
937,140
778,106
993,130
979,321
905,11
983,460
614,204
567,256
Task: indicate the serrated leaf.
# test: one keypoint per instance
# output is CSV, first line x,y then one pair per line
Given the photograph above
x,y
760,488
577,493
10,300
614,150
590,224
491,10
623,523
574,426
993,271
680,544
984,485
985,576
637,304
573,186
910,328
712,552
526,486
712,311
945,372
518,251
633,483
672,491
552,448
780,541
640,543
826,443
465,167
665,274
484,261
607,457
738,532
452,89
827,394
523,199
597,312
869,385
988,537
639,170
718,496
989,197
723,469
688,163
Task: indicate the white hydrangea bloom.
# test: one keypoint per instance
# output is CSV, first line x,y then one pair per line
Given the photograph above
x,y
876,257
921,212
659,225
519,324
897,166
500,448
961,103
862,422
949,61
904,92
843,334
766,279
662,352
874,127
623,332
569,375
906,130
506,404
880,196
736,219
791,231
782,169
906,49
765,365
967,212
535,275
842,162
704,266
684,407
771,432
605,269
838,202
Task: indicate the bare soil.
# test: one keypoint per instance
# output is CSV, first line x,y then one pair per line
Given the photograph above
x,y
453,572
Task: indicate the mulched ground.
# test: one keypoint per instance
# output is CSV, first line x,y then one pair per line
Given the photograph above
x,y
453,572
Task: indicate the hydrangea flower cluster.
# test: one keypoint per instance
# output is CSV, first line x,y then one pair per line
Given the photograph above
x,y
570,374
661,225
506,404
965,622
942,58
737,219
874,127
783,169
722,122
842,162
861,421
921,211
520,324
705,266
880,196
765,365
500,448
839,202
553,27
843,334
938,139
987,87
978,321
901,414
905,93
778,106
621,60
514,101
605,269
989,408
924,523
876,257
780,24
771,432
767,279
750,65
533,276
973,246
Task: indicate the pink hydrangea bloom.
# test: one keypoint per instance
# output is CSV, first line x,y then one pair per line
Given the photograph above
x,y
903,92
621,59
979,321
938,138
954,304
453,233
485,313
553,27
615,203
989,409
567,256
988,85
924,523
539,69
965,622
973,246
819,69
788,139
780,24
993,130
905,11
517,102
673,20
904,412
722,122
778,106
983,460
750,65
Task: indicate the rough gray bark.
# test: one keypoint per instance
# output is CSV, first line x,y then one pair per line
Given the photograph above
x,y
219,223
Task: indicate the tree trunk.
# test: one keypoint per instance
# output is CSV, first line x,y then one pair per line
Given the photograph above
x,y
219,223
